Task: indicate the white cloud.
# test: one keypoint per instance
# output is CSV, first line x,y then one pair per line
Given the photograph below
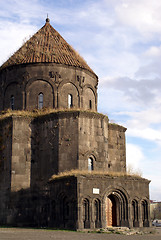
x,y
134,155
142,15
145,124
144,118
142,92
152,170
147,133
153,51
12,37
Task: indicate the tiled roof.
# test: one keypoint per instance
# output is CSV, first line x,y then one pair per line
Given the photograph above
x,y
47,46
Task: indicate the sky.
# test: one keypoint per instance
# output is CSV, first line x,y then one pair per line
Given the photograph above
x,y
121,42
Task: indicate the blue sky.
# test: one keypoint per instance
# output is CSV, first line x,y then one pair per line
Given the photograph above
x,y
121,42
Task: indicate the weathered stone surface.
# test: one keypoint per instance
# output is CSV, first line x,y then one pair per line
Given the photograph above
x,y
26,89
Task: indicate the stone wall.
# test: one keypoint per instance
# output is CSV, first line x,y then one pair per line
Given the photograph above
x,y
93,141
68,141
15,152
63,197
56,82
44,144
62,141
117,148
65,140
21,153
124,189
80,202
35,148
5,165
15,159
90,193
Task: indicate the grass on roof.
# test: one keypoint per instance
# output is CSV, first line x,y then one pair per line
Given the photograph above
x,y
76,172
42,112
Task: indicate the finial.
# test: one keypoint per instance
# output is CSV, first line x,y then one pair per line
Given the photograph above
x,y
47,19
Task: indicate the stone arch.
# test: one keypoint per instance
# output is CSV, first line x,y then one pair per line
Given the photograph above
x,y
97,213
65,89
86,212
145,213
46,79
135,213
116,207
13,90
89,98
93,154
89,154
32,90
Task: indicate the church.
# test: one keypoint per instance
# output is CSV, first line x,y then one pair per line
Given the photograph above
x,y
62,164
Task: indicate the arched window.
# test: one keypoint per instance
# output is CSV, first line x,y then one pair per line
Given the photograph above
x,y
90,164
70,100
40,100
90,104
12,102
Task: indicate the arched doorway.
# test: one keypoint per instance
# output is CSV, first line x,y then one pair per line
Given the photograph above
x,y
111,210
116,207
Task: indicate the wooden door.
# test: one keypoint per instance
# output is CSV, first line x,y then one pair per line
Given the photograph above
x,y
111,217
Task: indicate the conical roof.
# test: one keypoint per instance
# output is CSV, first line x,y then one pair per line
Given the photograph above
x,y
47,46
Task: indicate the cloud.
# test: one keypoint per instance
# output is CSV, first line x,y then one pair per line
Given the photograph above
x,y
150,168
144,16
143,118
153,52
147,133
139,106
144,91
152,172
9,40
134,156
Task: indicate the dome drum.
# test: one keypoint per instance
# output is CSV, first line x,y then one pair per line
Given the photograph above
x,y
25,83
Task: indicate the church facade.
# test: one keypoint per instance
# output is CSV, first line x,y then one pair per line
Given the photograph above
x,y
62,164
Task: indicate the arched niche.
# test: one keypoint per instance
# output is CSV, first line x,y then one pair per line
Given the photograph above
x,y
86,213
36,89
135,213
97,213
13,97
89,101
145,214
68,96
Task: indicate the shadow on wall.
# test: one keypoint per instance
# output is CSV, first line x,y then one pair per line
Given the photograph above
x,y
36,208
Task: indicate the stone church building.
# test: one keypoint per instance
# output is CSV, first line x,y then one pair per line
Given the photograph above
x,y
62,164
